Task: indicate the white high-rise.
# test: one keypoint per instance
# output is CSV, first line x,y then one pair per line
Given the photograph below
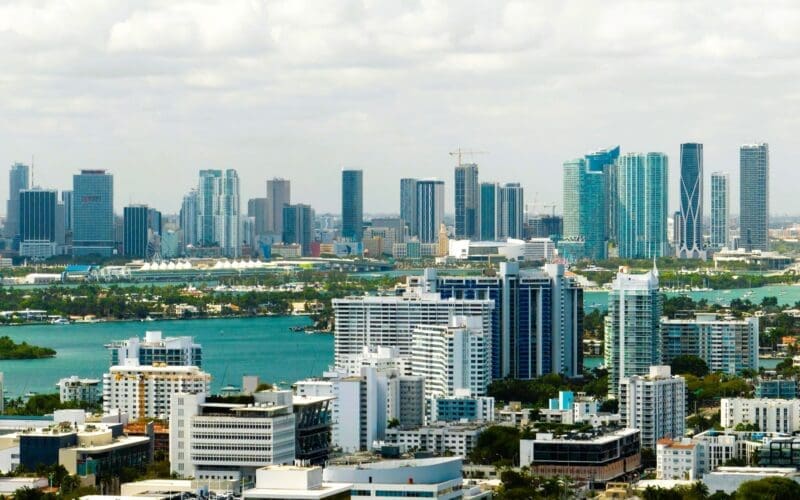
x,y
655,404
219,211
720,209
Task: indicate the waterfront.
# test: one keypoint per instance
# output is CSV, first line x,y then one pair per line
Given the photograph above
x,y
786,295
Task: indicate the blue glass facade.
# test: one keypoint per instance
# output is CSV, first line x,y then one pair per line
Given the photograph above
x,y
352,205
467,201
690,232
93,213
456,409
489,211
134,239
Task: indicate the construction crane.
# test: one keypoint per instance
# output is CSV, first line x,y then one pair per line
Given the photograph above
x,y
459,152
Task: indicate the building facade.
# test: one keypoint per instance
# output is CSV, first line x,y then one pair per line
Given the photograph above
x,y
37,223
720,209
767,415
655,404
408,204
430,209
467,202
19,178
489,211
690,231
93,213
754,197
279,194
135,238
156,349
298,226
641,218
512,210
585,211
352,205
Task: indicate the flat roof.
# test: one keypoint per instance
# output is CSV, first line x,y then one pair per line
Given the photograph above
x,y
326,490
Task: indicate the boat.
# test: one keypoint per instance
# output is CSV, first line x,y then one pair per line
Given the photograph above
x,y
59,321
297,328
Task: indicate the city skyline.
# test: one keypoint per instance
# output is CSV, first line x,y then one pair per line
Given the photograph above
x,y
262,89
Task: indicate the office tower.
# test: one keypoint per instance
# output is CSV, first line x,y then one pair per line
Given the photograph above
x,y
690,231
37,223
66,200
453,358
279,194
467,202
605,161
259,209
632,327
93,213
207,204
154,224
298,226
537,320
18,179
585,212
189,217
512,210
545,226
144,391
408,204
754,197
720,209
352,205
726,345
154,348
135,232
490,211
654,403
430,209
641,205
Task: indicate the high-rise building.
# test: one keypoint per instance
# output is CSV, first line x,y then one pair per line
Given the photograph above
x,y
512,210
754,197
298,226
605,161
259,210
467,202
135,237
632,327
189,218
408,204
153,348
430,209
18,179
720,209
207,202
37,223
93,213
690,231
537,319
66,200
352,205
279,194
219,211
641,205
585,211
490,211
654,403
545,226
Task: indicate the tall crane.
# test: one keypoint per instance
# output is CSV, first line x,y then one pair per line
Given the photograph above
x,y
459,152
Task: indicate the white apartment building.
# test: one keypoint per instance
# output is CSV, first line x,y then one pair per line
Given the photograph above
x,y
682,459
452,358
144,391
381,358
154,348
388,321
768,415
220,441
655,404
456,439
79,389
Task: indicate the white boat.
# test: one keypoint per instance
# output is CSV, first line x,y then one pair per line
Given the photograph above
x,y
59,321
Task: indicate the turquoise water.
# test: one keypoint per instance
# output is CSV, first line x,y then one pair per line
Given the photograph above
x,y
786,294
231,348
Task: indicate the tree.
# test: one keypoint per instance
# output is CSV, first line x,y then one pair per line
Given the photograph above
x,y
497,444
769,488
687,364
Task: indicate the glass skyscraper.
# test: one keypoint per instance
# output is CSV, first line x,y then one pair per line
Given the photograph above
x,y
720,209
430,209
352,205
93,213
18,179
690,230
605,160
585,211
512,210
135,236
189,218
219,211
37,222
641,205
467,202
490,211
408,204
754,197
279,194
298,226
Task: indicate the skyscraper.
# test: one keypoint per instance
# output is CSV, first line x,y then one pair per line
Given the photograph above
x,y
188,218
259,209
490,211
632,327
298,226
430,209
605,160
66,200
720,209
18,179
467,202
352,205
512,210
93,213
207,204
641,205
219,210
690,232
279,194
135,231
585,211
37,223
754,196
408,204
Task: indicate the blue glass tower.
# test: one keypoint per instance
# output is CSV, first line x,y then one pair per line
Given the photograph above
x,y
135,225
467,201
642,205
352,205
585,211
93,213
489,211
690,232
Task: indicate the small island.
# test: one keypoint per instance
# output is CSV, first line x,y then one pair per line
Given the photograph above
x,y
11,350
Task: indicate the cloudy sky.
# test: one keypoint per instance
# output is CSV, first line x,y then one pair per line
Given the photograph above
x,y
155,91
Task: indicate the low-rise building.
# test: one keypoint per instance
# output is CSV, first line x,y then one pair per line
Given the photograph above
x,y
728,479
284,482
594,458
439,439
460,408
680,459
777,388
76,389
767,415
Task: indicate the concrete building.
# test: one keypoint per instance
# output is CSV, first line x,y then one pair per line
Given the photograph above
x,y
279,194
154,348
632,327
655,404
467,201
720,210
690,225
144,391
76,389
679,459
228,441
19,178
726,345
457,439
453,357
728,479
459,408
282,482
754,197
768,415
595,458
536,249
436,478
93,213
